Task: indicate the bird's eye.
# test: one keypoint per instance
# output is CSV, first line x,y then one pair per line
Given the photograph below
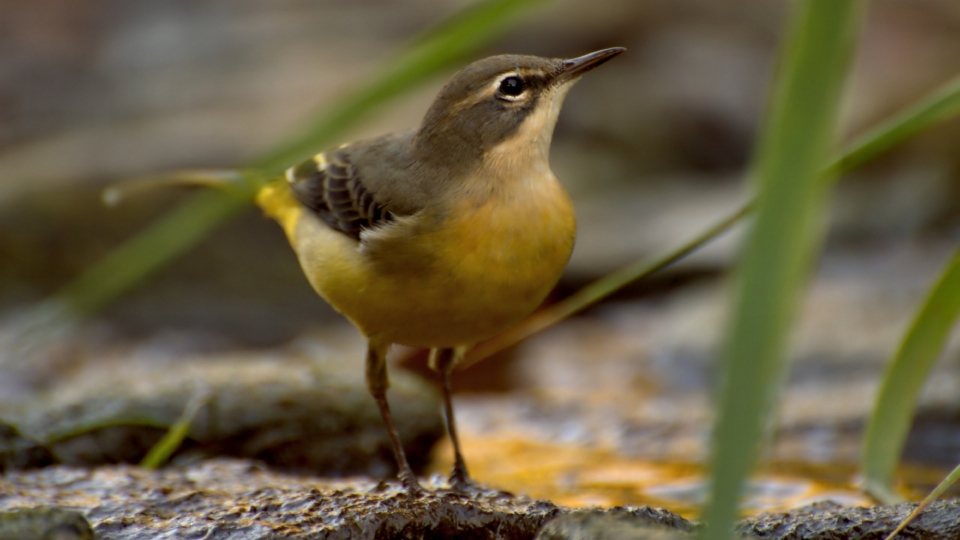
x,y
512,86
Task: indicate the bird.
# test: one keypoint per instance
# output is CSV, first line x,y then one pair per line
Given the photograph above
x,y
444,235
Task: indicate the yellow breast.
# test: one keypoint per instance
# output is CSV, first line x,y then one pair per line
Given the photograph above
x,y
449,277
495,262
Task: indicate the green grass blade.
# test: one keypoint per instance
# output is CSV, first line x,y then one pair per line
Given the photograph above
x,y
937,491
910,367
941,105
174,437
180,230
793,151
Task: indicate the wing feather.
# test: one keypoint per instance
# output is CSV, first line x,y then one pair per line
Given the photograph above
x,y
331,187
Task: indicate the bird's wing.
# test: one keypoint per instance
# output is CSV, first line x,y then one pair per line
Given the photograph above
x,y
333,187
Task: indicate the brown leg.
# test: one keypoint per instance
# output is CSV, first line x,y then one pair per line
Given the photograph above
x,y
378,383
443,361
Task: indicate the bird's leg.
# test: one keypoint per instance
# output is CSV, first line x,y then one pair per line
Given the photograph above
x,y
443,361
378,383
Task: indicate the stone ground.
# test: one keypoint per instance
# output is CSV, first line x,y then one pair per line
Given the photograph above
x,y
233,499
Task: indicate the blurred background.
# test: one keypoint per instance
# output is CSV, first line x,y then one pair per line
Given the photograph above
x,y
653,147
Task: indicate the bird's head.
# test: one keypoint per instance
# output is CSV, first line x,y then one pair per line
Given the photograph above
x,y
507,103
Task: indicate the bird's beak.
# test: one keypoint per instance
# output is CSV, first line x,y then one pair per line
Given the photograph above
x,y
576,67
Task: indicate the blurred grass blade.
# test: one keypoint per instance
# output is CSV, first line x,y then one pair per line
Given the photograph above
x,y
934,495
943,104
793,151
910,367
181,229
174,437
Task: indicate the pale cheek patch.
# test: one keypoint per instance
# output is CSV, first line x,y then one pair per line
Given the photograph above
x,y
536,131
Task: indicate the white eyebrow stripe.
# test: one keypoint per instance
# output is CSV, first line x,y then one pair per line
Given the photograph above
x,y
496,83
491,90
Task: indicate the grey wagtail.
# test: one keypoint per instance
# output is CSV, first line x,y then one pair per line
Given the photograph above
x,y
445,235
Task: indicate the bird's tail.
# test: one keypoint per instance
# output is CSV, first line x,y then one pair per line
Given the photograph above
x,y
232,180
273,196
278,202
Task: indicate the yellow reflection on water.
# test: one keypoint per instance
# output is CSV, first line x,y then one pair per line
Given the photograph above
x,y
578,476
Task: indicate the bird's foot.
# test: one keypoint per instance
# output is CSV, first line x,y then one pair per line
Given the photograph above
x,y
411,486
461,484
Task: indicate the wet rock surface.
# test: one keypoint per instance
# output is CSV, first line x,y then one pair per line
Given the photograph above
x,y
19,452
44,524
827,521
293,414
615,523
237,499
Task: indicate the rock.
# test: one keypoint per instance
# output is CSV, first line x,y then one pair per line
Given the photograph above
x,y
617,524
820,521
44,524
19,452
223,498
238,499
828,521
288,413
